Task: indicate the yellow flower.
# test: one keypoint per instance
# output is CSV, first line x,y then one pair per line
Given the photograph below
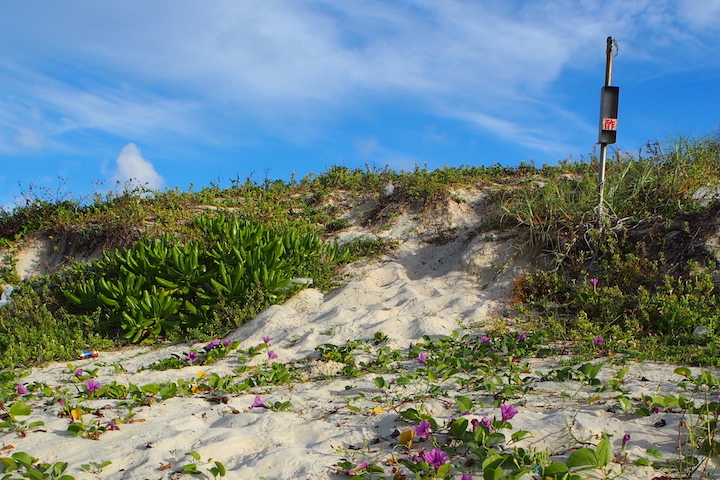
x,y
378,410
76,413
201,374
197,389
406,438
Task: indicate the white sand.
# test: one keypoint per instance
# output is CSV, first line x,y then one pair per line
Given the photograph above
x,y
420,289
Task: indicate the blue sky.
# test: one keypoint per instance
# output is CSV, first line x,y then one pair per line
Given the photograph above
x,y
175,93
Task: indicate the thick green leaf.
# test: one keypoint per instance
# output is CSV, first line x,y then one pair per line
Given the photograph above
x,y
493,473
19,409
464,404
584,457
604,451
555,468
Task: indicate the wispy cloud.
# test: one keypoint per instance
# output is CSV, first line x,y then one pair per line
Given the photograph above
x,y
204,71
134,171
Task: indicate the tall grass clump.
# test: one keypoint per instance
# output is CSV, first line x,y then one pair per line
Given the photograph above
x,y
641,272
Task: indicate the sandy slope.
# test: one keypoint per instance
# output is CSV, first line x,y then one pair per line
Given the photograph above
x,y
428,286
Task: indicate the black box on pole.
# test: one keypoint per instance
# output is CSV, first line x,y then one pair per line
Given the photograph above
x,y
609,99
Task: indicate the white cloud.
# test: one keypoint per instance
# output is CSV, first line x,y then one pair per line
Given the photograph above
x,y
134,171
29,138
288,65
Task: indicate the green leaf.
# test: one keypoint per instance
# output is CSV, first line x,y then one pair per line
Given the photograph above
x,y
519,435
59,468
684,371
654,453
464,404
19,409
8,463
555,468
76,429
643,462
25,459
379,382
193,454
495,439
604,451
493,473
459,428
34,475
584,457
191,469
220,469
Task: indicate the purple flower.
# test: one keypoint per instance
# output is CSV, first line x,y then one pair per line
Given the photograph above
x,y
626,439
422,430
272,355
226,343
435,458
466,476
485,339
522,337
214,344
593,282
258,403
422,358
656,409
486,422
21,390
507,411
79,372
475,424
363,465
191,357
598,340
92,386
266,339
112,426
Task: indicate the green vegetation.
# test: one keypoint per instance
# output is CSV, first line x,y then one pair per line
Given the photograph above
x,y
482,382
192,265
643,277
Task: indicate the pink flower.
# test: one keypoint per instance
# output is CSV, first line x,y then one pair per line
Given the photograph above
x,y
21,390
272,355
486,422
422,358
626,439
213,344
593,282
112,426
422,430
92,386
226,343
507,411
191,357
598,340
466,476
79,372
266,339
258,403
485,339
435,458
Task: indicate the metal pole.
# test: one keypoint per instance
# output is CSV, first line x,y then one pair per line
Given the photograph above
x,y
603,146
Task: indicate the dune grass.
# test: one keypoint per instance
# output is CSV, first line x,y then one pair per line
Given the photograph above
x,y
643,278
